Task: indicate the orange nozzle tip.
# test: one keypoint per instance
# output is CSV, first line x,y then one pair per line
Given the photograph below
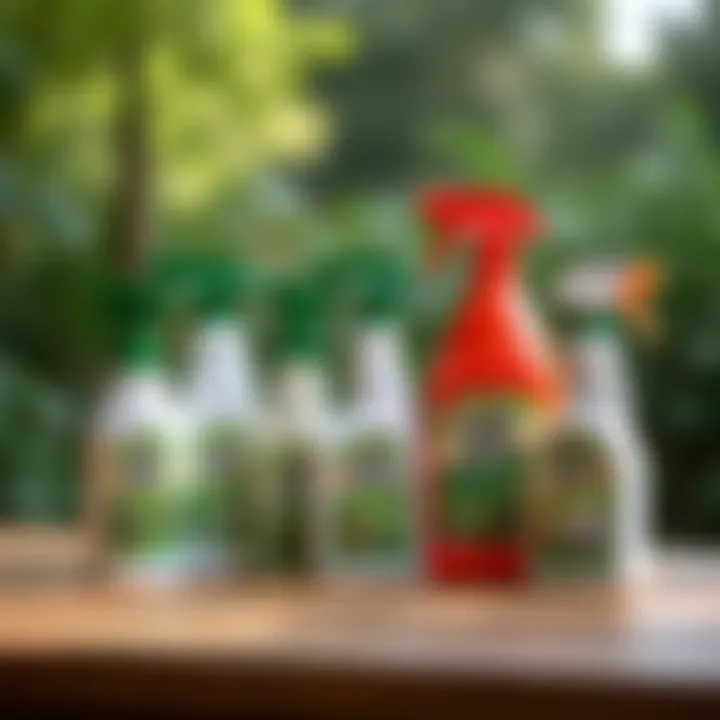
x,y
639,287
640,283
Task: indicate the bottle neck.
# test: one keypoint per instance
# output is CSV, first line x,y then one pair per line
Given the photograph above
x,y
383,378
301,393
602,383
140,373
223,381
137,395
497,265
493,280
142,383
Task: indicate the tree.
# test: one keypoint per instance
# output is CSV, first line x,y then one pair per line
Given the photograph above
x,y
118,120
422,63
200,91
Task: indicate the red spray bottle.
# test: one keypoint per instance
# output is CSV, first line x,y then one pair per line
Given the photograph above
x,y
491,388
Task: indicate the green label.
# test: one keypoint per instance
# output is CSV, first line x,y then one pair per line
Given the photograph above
x,y
371,509
148,515
295,473
572,508
222,512
482,500
482,465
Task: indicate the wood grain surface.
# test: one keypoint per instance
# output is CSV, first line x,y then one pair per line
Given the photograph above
x,y
98,645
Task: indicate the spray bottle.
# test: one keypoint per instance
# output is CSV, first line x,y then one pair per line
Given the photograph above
x,y
590,497
144,474
491,390
301,427
370,512
227,410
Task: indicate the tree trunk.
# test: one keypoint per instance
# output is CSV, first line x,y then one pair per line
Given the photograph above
x,y
128,249
132,212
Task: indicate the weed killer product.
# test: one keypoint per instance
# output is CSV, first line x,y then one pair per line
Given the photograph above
x,y
369,515
590,490
147,471
302,431
225,398
491,388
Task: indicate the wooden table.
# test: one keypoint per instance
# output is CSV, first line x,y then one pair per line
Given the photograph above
x,y
293,650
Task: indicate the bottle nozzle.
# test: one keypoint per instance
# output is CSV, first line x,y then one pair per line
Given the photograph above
x,y
638,290
626,292
480,217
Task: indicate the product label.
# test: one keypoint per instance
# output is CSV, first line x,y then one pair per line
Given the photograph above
x,y
370,507
483,458
148,514
295,479
222,515
571,508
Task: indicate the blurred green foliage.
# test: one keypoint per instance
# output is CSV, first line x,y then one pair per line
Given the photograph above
x,y
122,126
358,104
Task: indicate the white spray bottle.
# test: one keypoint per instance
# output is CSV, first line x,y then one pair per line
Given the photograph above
x,y
591,488
225,399
369,513
142,482
301,427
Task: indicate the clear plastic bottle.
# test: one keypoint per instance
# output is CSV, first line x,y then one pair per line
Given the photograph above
x,y
591,492
301,430
226,402
144,477
370,516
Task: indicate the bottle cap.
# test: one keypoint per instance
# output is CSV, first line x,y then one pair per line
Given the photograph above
x,y
225,287
375,282
134,307
478,216
301,316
